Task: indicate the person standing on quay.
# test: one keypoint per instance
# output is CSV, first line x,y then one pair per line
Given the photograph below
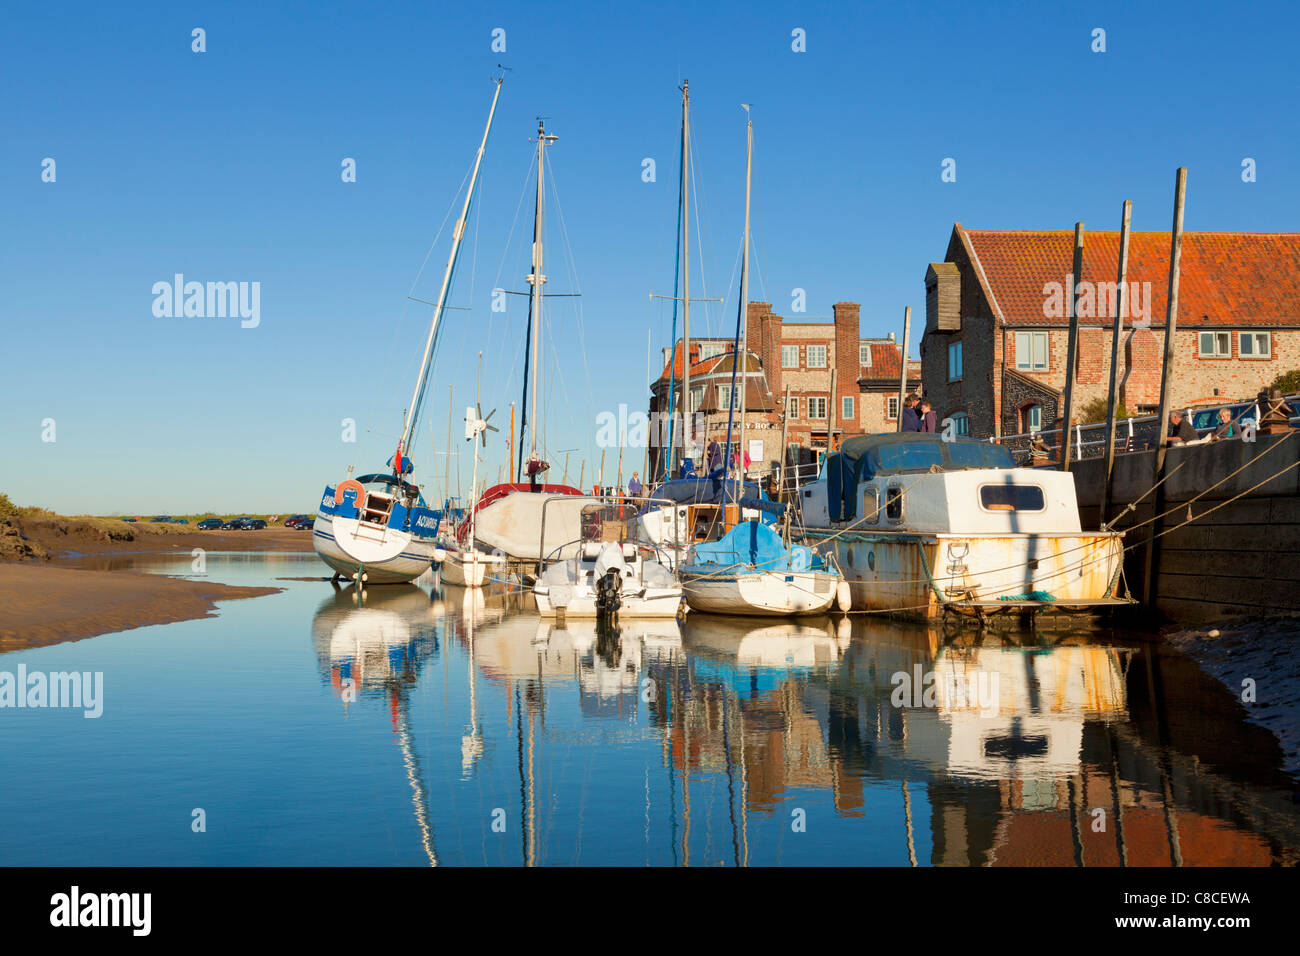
x,y
928,419
911,421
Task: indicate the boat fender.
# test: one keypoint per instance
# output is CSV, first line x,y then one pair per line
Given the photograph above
x,y
843,596
350,485
800,559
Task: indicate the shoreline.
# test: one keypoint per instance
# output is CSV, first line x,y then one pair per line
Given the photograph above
x,y
63,579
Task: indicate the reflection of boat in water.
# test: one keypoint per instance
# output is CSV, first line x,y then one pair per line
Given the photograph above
x,y
810,642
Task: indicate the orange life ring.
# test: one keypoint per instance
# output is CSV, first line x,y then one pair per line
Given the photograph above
x,y
351,483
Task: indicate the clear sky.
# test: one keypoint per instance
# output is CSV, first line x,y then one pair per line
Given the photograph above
x,y
226,166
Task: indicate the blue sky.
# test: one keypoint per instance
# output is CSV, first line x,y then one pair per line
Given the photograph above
x,y
225,166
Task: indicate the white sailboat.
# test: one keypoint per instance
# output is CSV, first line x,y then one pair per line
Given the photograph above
x,y
377,528
751,569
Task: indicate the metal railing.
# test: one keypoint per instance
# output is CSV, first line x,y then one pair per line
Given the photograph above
x,y
1140,433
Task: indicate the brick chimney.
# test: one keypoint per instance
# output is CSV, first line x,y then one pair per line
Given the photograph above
x,y
763,338
847,367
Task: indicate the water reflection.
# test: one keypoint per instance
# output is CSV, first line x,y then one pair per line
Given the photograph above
x,y
816,741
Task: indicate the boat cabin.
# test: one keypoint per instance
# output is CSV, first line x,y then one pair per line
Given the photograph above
x,y
919,482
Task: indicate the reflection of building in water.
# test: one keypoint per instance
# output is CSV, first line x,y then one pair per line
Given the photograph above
x,y
1025,754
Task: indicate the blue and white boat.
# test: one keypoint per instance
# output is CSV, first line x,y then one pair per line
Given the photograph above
x,y
377,529
750,570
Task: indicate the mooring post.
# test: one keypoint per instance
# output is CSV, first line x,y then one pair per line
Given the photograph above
x,y
1072,352
785,431
1171,327
1121,306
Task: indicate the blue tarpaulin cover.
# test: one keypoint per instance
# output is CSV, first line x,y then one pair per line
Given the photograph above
x,y
752,543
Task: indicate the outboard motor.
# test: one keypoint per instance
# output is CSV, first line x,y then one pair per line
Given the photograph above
x,y
609,594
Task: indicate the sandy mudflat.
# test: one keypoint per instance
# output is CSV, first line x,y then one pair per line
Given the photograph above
x,y
41,604
67,539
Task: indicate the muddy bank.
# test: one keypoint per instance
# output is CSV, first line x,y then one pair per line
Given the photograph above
x,y
1262,650
65,540
41,604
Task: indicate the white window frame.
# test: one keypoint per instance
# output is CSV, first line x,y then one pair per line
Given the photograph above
x,y
724,396
789,350
1025,350
817,403
819,350
891,407
954,349
697,398
1215,338
846,408
793,410
1030,426
710,350
1254,337
864,356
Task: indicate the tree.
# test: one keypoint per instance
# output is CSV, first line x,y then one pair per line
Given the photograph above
x,y
1095,411
1288,382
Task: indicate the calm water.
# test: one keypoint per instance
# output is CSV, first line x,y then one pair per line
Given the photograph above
x,y
459,728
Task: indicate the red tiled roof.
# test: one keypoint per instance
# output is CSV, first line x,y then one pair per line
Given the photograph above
x,y
1228,278
886,364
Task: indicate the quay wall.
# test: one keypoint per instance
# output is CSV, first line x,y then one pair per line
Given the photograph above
x,y
1243,558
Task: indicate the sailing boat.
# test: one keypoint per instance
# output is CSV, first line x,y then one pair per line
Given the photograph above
x,y
752,569
378,528
508,517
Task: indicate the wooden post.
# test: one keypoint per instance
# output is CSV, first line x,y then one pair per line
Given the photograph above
x,y
600,479
512,434
582,472
902,383
1072,357
830,417
1171,328
785,431
1121,305
565,479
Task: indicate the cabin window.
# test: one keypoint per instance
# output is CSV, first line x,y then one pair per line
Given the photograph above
x,y
871,505
789,356
1011,498
894,503
1254,345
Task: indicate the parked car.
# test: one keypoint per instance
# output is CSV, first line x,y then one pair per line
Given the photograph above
x,y
308,522
160,519
180,520
209,524
235,524
253,524
132,520
297,521
1207,419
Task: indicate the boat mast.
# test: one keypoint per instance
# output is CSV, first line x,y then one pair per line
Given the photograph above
x,y
458,233
687,431
738,351
537,278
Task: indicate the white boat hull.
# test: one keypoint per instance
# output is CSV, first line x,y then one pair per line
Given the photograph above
x,y
765,593
647,602
918,575
385,556
465,570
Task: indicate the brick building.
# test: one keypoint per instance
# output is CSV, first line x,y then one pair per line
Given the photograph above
x,y
800,356
994,351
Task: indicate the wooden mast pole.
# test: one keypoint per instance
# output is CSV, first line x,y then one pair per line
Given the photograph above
x,y
1121,306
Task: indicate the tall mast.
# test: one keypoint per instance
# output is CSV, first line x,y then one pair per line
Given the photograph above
x,y
687,430
744,311
537,278
458,233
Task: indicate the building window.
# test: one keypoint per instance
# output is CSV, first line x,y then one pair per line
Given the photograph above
x,y
961,423
724,397
891,407
1214,345
864,356
1256,345
1032,418
817,407
793,410
954,362
789,356
816,356
710,349
1031,351
697,397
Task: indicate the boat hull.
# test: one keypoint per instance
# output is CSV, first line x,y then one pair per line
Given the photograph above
x,y
924,576
466,572
647,602
761,593
402,557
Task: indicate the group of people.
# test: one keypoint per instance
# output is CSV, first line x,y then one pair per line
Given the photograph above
x,y
918,416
